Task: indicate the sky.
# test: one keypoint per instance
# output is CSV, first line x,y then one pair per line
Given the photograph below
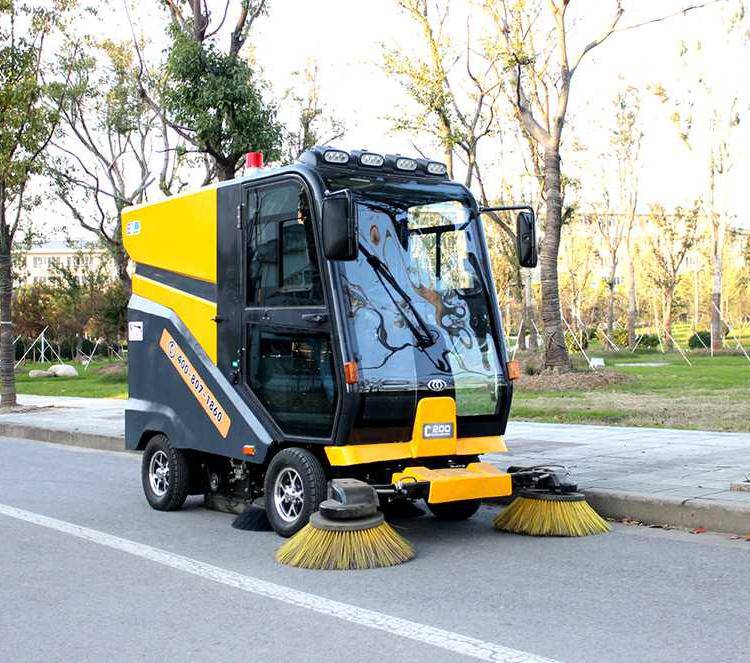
x,y
345,38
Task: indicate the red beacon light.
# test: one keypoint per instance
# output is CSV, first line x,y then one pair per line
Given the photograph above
x,y
254,160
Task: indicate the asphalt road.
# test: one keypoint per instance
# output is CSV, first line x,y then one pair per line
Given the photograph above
x,y
88,572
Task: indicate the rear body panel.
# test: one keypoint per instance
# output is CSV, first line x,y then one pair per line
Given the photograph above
x,y
177,390
173,244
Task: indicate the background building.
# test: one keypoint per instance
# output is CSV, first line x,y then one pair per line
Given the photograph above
x,y
37,265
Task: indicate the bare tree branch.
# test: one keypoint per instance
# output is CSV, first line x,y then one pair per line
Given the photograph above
x,y
658,19
599,40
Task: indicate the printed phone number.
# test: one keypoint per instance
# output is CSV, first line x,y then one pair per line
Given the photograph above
x,y
197,384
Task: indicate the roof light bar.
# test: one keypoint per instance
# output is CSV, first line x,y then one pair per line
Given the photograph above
x,y
336,156
371,159
372,164
402,163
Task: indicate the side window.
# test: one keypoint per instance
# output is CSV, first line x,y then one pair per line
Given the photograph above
x,y
292,375
282,266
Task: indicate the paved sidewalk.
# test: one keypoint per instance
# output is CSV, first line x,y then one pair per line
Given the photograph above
x,y
661,476
89,422
683,463
656,475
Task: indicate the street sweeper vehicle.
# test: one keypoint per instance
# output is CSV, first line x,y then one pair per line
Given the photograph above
x,y
323,339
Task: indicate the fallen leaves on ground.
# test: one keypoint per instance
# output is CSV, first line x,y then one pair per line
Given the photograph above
x,y
586,380
630,521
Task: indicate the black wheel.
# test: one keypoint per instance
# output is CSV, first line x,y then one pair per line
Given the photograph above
x,y
294,487
454,510
165,474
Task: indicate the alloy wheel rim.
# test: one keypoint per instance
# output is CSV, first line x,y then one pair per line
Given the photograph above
x,y
289,494
158,473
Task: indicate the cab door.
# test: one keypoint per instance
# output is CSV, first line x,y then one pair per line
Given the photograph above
x,y
288,363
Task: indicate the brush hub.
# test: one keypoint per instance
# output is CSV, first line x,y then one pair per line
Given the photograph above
x,y
319,521
336,510
351,505
532,494
550,479
349,499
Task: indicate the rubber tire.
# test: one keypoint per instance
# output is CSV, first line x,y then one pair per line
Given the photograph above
x,y
179,475
462,510
314,484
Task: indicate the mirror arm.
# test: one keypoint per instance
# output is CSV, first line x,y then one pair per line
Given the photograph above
x,y
331,194
505,208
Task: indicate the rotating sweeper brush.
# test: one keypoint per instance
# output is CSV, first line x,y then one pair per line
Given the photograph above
x,y
548,504
347,532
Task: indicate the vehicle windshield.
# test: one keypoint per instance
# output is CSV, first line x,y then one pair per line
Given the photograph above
x,y
418,274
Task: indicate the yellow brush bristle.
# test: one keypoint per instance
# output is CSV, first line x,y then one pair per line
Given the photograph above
x,y
313,548
540,517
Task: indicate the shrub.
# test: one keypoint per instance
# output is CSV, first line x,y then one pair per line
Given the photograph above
x,y
620,337
649,341
532,363
700,340
574,345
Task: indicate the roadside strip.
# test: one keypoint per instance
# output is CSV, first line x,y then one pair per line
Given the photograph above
x,y
67,437
715,515
422,633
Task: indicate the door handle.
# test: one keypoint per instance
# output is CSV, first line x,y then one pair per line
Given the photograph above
x,y
317,318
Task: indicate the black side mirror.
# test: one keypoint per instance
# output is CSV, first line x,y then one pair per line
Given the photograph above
x,y
340,226
526,239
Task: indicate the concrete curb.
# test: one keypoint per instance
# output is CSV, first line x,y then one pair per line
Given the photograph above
x,y
70,438
717,516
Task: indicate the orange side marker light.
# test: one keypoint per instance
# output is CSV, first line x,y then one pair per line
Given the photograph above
x,y
248,450
351,372
514,370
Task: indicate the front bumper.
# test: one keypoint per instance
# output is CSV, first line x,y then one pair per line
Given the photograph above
x,y
473,482
431,412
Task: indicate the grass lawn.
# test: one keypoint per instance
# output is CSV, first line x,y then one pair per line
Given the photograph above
x,y
712,394
95,382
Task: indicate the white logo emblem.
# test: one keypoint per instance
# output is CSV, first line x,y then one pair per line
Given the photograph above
x,y
133,228
437,384
135,330
437,430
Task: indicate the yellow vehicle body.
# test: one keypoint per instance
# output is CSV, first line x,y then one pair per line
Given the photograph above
x,y
175,246
177,235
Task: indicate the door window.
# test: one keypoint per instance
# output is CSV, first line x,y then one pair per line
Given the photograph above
x,y
292,375
282,266
289,363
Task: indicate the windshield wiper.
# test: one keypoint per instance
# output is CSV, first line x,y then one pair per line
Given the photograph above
x,y
423,335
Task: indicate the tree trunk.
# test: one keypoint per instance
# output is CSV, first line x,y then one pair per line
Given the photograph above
x,y
7,355
555,352
696,302
632,293
529,314
121,266
668,345
632,299
523,330
611,300
225,170
717,265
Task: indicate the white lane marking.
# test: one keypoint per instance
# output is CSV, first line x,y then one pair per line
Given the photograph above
x,y
453,642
